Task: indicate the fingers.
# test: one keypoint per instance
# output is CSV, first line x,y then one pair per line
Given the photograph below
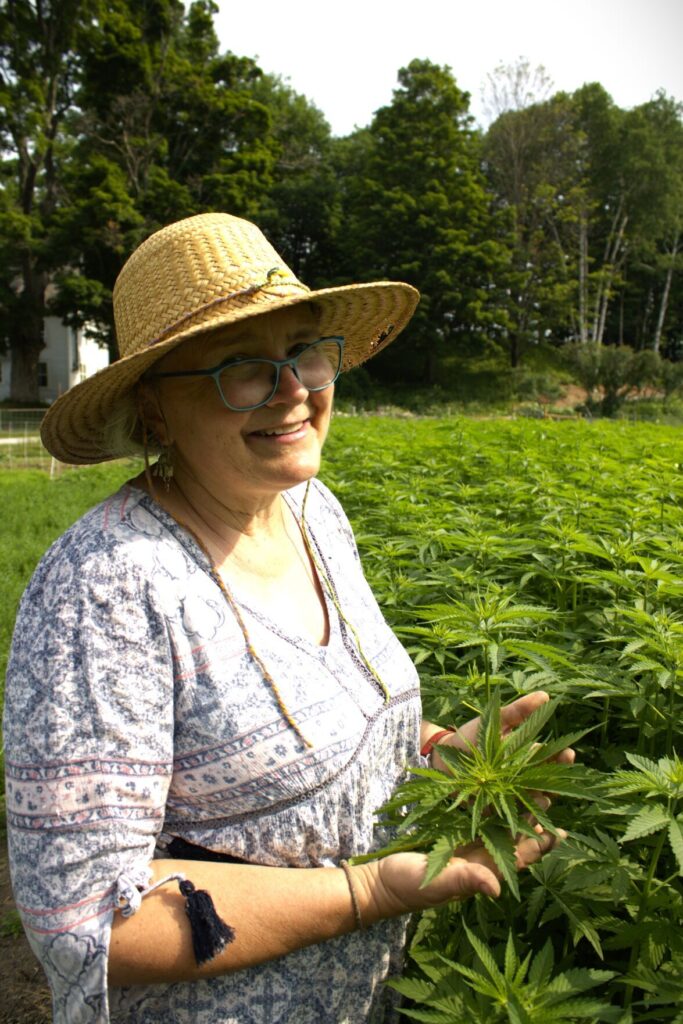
x,y
541,800
397,880
514,714
531,849
466,878
470,871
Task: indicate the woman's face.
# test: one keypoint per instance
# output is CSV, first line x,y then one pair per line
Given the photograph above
x,y
254,454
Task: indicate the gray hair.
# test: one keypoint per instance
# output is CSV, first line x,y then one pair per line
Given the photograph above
x,y
123,434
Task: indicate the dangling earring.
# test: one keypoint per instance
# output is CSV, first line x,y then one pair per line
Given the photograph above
x,y
163,467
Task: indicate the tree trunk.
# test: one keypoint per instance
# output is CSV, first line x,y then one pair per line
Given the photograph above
x,y
514,350
665,294
583,278
430,367
25,351
27,340
645,322
613,258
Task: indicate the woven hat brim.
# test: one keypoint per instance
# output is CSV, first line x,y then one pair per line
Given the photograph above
x,y
369,316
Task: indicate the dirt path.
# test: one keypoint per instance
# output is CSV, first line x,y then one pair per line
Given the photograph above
x,y
25,997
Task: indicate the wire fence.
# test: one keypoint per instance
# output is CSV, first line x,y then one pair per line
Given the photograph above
x,y
20,444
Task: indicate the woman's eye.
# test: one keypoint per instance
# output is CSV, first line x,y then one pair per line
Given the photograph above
x,y
299,348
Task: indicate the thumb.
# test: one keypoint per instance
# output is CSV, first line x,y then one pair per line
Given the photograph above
x,y
460,879
402,878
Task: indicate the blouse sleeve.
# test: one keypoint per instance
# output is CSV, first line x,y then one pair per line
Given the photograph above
x,y
88,732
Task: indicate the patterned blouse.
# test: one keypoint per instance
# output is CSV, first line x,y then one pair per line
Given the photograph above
x,y
134,712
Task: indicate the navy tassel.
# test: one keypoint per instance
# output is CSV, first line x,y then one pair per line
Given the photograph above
x,y
210,934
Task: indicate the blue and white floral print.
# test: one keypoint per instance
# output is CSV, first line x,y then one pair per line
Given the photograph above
x,y
134,712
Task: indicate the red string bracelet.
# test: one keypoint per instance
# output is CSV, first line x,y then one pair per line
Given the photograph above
x,y
433,740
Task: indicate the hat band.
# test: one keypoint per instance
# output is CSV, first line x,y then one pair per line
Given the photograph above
x,y
250,290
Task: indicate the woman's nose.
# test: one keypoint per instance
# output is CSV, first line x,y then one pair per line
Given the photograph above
x,y
289,387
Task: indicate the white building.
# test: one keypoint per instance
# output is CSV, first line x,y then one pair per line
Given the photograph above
x,y
69,356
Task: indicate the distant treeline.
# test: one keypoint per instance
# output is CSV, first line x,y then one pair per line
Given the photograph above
x,y
560,223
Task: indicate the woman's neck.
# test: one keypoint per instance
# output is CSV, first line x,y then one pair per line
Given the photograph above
x,y
225,526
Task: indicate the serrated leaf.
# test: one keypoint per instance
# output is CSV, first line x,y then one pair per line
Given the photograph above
x,y
478,982
416,989
429,1016
486,957
581,1009
437,858
553,747
511,959
676,841
585,878
644,764
647,821
527,732
573,981
542,966
488,735
477,812
499,844
534,906
508,811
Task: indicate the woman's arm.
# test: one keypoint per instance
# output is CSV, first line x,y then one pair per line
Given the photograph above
x,y
275,911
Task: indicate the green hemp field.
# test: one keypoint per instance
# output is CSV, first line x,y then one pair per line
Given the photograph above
x,y
511,556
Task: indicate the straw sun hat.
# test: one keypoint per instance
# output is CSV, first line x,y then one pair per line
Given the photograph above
x,y
201,273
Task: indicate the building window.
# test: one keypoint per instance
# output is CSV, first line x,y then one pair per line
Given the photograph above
x,y
42,375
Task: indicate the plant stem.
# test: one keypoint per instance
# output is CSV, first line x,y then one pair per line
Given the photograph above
x,y
644,898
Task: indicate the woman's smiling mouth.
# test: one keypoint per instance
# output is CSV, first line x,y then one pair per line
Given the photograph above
x,y
285,430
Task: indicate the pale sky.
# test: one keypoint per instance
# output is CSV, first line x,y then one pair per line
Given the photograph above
x,y
344,56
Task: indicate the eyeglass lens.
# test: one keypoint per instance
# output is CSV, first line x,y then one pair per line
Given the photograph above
x,y
252,382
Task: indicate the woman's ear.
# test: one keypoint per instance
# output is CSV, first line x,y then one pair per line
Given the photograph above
x,y
151,415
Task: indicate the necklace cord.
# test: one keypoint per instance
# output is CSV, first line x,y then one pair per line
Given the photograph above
x,y
251,650
335,600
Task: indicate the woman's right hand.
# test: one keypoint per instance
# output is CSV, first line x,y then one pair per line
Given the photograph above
x,y
393,884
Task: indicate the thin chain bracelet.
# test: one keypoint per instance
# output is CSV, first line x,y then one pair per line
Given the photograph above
x,y
346,868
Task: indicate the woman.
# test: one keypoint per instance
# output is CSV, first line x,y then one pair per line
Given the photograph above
x,y
199,669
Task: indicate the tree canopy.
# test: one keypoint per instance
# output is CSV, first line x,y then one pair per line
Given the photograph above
x,y
559,223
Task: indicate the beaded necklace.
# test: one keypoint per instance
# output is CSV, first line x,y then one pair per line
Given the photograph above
x,y
330,591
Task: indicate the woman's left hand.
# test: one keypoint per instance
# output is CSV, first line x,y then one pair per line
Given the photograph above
x,y
511,715
464,737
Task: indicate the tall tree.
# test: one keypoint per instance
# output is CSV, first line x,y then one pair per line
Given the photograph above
x,y
655,257
532,157
595,196
39,74
299,211
168,126
121,116
418,209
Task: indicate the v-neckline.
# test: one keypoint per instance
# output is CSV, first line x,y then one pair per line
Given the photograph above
x,y
186,536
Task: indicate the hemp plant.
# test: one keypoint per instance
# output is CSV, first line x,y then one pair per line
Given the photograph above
x,y
488,793
512,556
522,992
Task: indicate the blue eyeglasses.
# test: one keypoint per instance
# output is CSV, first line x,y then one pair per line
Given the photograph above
x,y
246,384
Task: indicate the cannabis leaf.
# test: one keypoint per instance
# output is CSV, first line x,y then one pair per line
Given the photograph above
x,y
487,794
521,991
661,784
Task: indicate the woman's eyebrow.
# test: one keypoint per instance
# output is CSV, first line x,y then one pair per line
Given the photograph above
x,y
248,337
